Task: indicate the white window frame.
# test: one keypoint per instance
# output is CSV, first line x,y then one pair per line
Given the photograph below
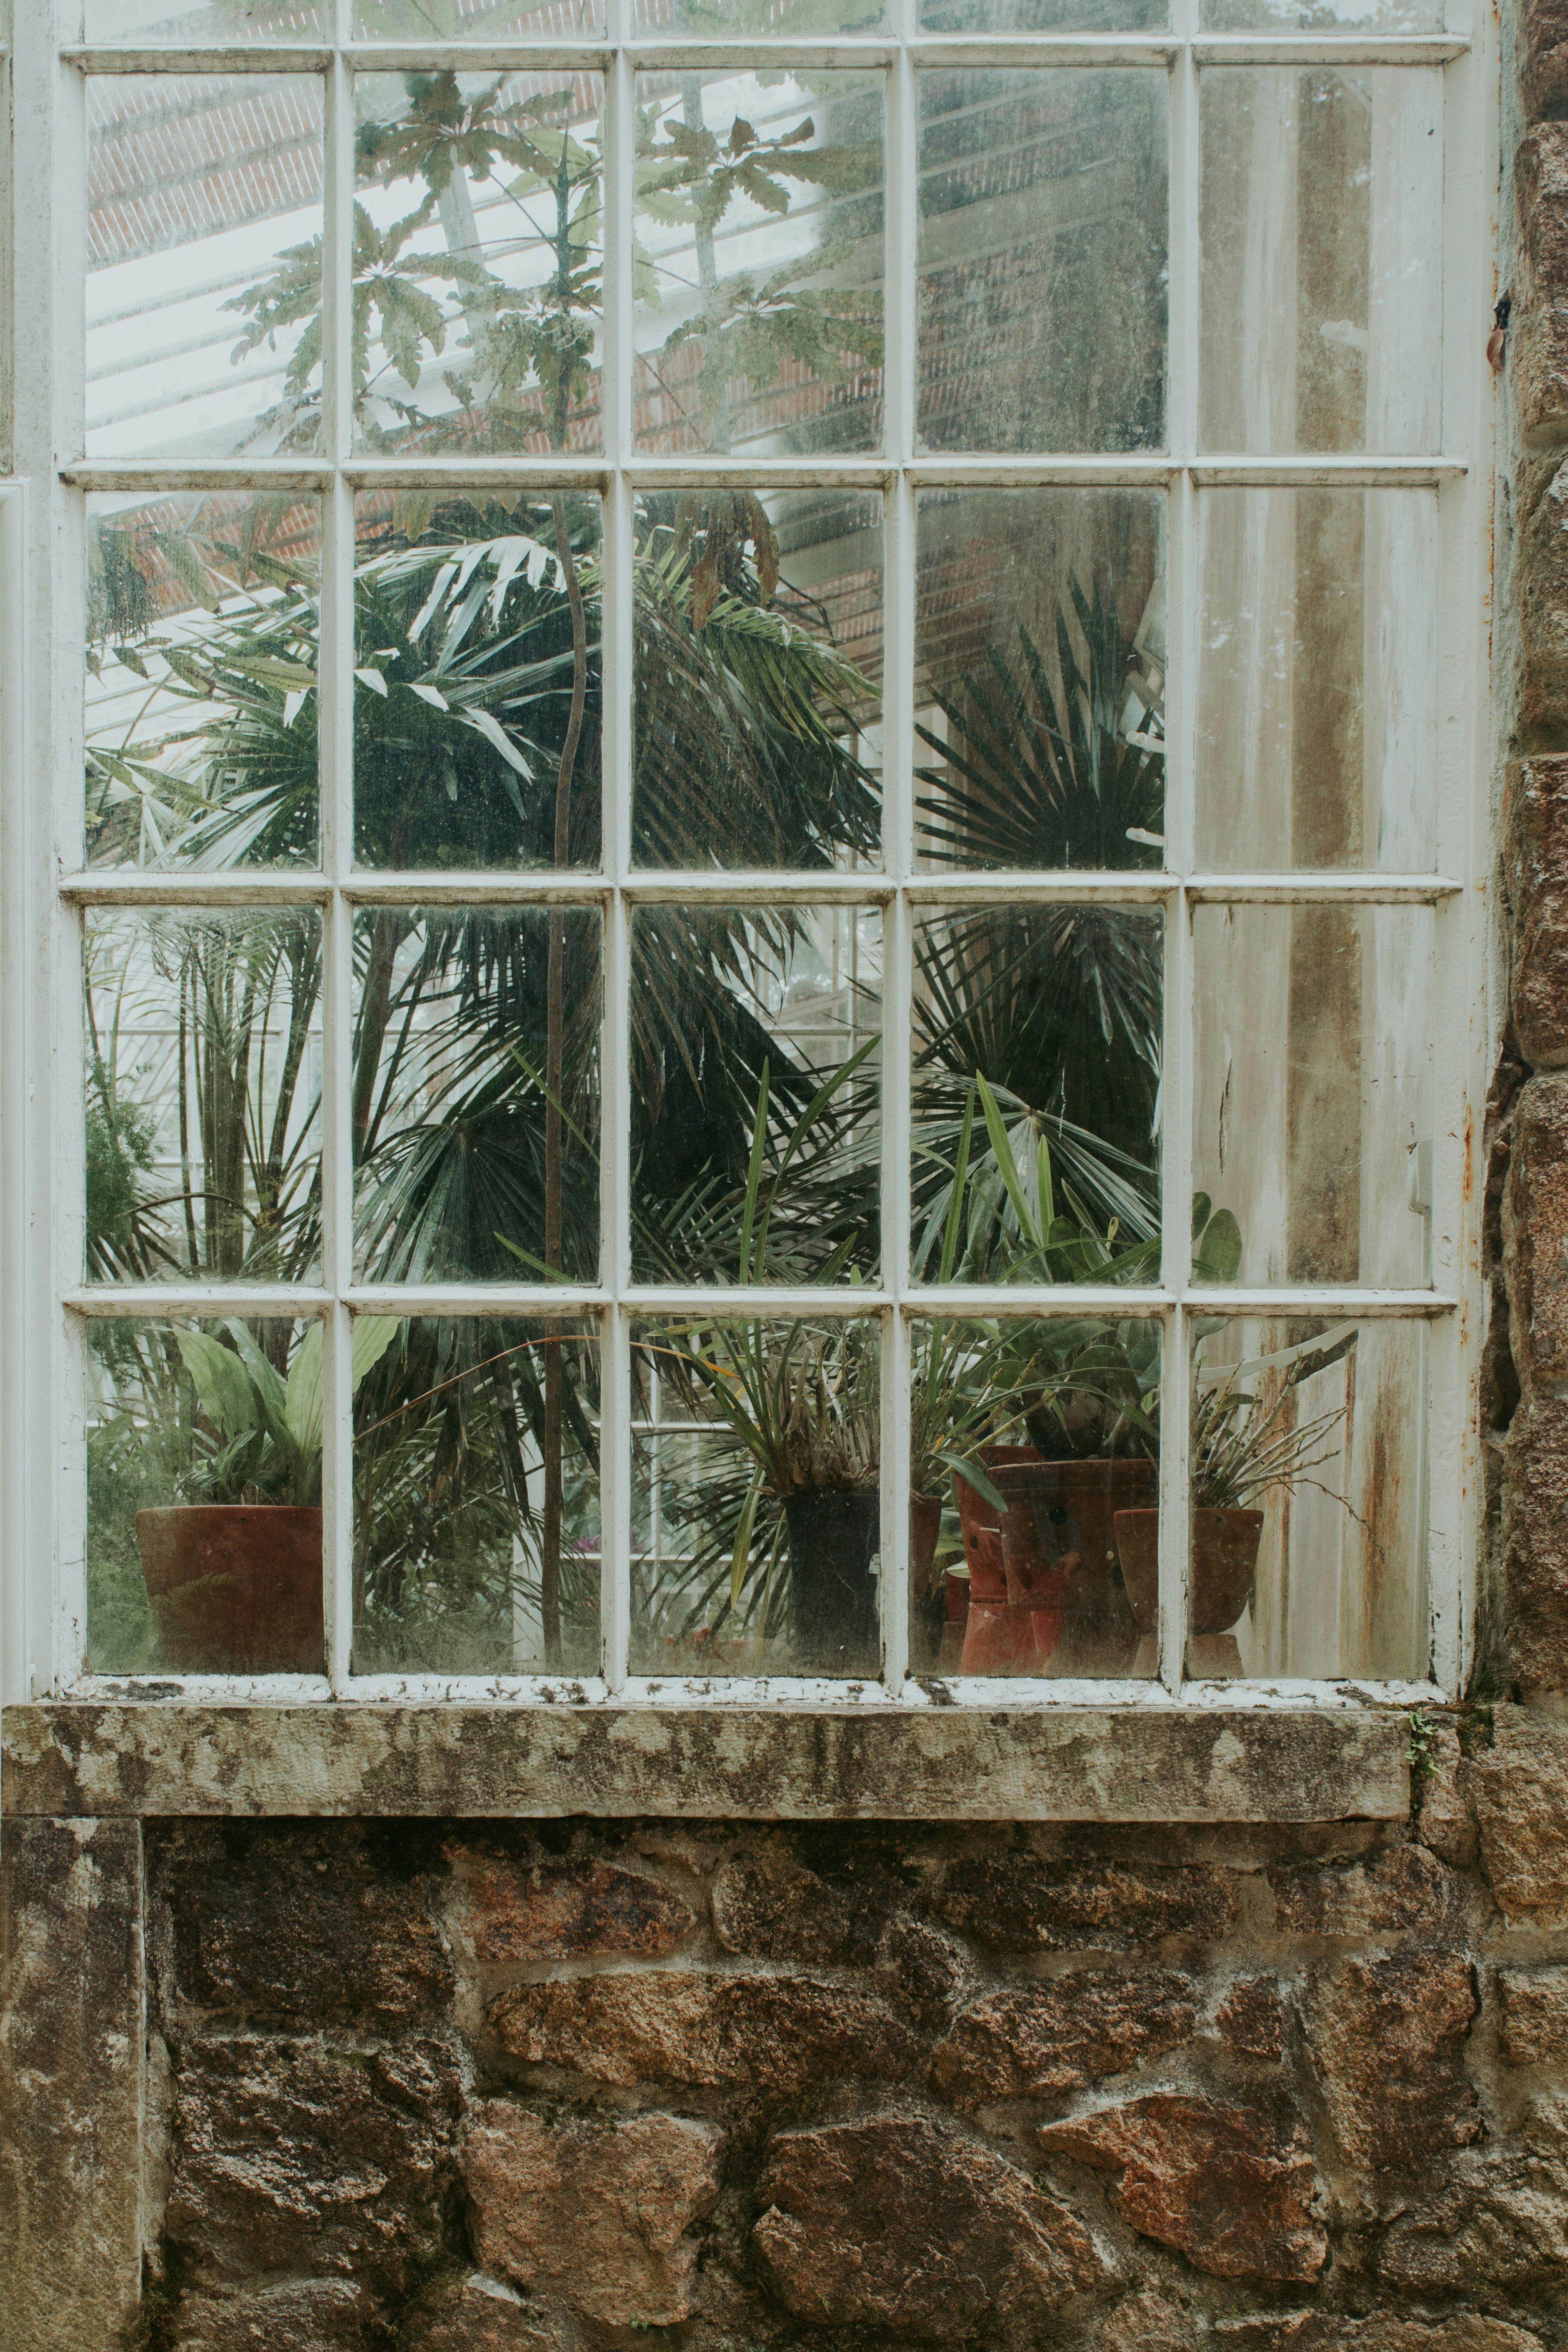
x,y
43,1299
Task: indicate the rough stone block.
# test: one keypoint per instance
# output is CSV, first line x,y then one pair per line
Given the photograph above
x,y
1250,2019
318,2315
1443,1822
1498,2223
1538,331
1538,364
1324,2331
1533,1545
1541,52
1037,2040
70,2068
892,2223
1407,1892
279,1926
771,2033
479,2314
923,1969
1535,2016
290,2159
1387,2040
1020,1903
768,1903
550,1913
1519,1787
1223,2185
597,2213
1535,880
1147,2323
1535,1232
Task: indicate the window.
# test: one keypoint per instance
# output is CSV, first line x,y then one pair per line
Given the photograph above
x,y
766,981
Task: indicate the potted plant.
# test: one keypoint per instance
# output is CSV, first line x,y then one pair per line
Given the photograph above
x,y
235,1578
1247,1443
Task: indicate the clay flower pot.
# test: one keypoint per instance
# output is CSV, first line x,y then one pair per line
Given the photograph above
x,y
1224,1565
833,1594
236,1588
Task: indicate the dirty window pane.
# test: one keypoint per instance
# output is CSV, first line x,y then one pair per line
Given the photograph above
x,y
475,1470
758,262
755,1066
756,1518
1312,1089
477,20
1062,1419
204,265
1309,1521
203,1087
471,1024
1042,244
1040,679
1317,679
1321,303
479,262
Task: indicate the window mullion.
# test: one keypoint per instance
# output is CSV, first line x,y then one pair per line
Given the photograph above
x,y
335,720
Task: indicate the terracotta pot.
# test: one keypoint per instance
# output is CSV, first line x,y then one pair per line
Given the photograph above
x,y
1224,1565
833,1594
236,1588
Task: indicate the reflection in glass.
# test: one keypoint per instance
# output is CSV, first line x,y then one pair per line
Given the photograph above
x,y
755,1518
758,642
1312,1086
1026,1440
1036,1094
477,689
476,1104
476,1475
478,262
204,1084
204,265
1040,678
202,631
759,221
1317,679
208,24
1309,1470
1042,259
755,1062
1321,293
204,1494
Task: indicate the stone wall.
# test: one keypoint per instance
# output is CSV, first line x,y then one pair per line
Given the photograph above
x,y
431,2085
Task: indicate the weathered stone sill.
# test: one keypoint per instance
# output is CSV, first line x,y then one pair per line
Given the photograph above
x,y
96,1760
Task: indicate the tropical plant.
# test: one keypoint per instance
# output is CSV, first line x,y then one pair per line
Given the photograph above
x,y
1248,1440
268,1428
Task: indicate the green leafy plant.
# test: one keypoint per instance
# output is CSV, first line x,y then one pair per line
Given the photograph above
x,y
269,1427
1248,1439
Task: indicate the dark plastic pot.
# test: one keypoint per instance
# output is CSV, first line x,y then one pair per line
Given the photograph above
x,y
833,1594
1224,1565
929,1600
236,1588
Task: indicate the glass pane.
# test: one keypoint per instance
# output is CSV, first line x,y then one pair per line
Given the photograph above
x,y
1317,679
795,20
1322,15
477,700
204,1526
477,1499
1040,678
1062,1422
1309,1531
1036,1095
1312,1087
761,1440
204,265
1042,15
759,264
1043,233
476,1104
203,632
479,266
207,23
203,1089
1322,216
755,1068
477,20
758,639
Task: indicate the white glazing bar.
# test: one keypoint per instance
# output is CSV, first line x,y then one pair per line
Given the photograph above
x,y
617,659
336,718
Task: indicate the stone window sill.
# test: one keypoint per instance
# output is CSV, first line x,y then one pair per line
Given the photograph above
x,y
94,1758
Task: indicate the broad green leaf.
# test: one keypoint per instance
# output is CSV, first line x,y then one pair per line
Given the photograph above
x,y
224,1389
1219,1254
